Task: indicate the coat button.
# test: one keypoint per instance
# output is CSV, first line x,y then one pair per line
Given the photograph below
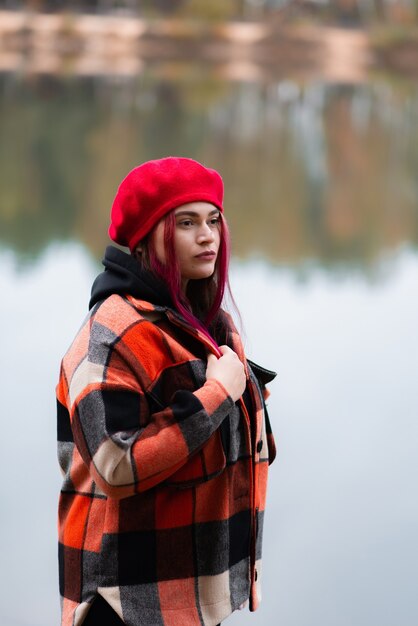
x,y
259,446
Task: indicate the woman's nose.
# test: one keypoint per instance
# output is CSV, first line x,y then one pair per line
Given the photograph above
x,y
205,233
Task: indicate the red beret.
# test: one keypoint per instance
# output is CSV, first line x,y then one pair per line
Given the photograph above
x,y
156,187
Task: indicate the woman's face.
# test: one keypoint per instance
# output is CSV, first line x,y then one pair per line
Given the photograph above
x,y
196,240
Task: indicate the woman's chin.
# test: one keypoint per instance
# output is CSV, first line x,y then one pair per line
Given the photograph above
x,y
201,274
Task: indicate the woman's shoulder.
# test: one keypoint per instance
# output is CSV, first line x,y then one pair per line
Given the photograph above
x,y
226,319
119,313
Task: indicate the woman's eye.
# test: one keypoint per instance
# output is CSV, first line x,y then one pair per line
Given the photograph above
x,y
214,221
186,223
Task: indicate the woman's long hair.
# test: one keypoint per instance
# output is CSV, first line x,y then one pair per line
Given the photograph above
x,y
200,305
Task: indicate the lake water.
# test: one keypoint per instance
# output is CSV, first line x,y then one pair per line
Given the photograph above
x,y
322,198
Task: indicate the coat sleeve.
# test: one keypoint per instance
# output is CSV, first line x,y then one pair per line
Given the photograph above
x,y
106,405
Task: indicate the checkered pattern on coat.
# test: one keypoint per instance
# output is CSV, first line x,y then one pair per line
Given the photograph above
x,y
161,508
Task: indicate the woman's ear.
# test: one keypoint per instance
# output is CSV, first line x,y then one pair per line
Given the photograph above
x,y
137,253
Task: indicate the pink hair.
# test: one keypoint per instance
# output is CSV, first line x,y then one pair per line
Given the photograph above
x,y
215,286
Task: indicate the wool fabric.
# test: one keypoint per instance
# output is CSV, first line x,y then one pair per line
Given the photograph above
x,y
156,187
164,476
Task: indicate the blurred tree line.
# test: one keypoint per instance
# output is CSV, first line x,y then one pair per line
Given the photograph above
x,y
348,12
324,172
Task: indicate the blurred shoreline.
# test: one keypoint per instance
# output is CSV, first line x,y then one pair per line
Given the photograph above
x,y
92,44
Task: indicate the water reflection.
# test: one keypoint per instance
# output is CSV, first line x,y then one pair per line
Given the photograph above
x,y
341,544
315,170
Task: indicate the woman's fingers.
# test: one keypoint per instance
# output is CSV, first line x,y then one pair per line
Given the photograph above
x,y
228,370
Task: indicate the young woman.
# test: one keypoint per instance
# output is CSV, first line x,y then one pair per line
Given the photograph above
x,y
164,439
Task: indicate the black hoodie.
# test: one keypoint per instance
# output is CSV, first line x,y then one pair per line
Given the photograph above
x,y
124,275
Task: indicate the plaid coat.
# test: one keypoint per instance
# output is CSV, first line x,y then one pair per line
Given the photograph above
x,y
162,503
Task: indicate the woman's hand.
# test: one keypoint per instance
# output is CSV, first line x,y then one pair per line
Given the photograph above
x,y
228,370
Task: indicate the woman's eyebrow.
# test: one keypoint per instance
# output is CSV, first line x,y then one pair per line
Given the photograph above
x,y
195,214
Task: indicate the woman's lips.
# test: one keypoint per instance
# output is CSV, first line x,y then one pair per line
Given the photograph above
x,y
206,255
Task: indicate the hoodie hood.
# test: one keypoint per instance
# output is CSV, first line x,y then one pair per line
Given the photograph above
x,y
123,275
